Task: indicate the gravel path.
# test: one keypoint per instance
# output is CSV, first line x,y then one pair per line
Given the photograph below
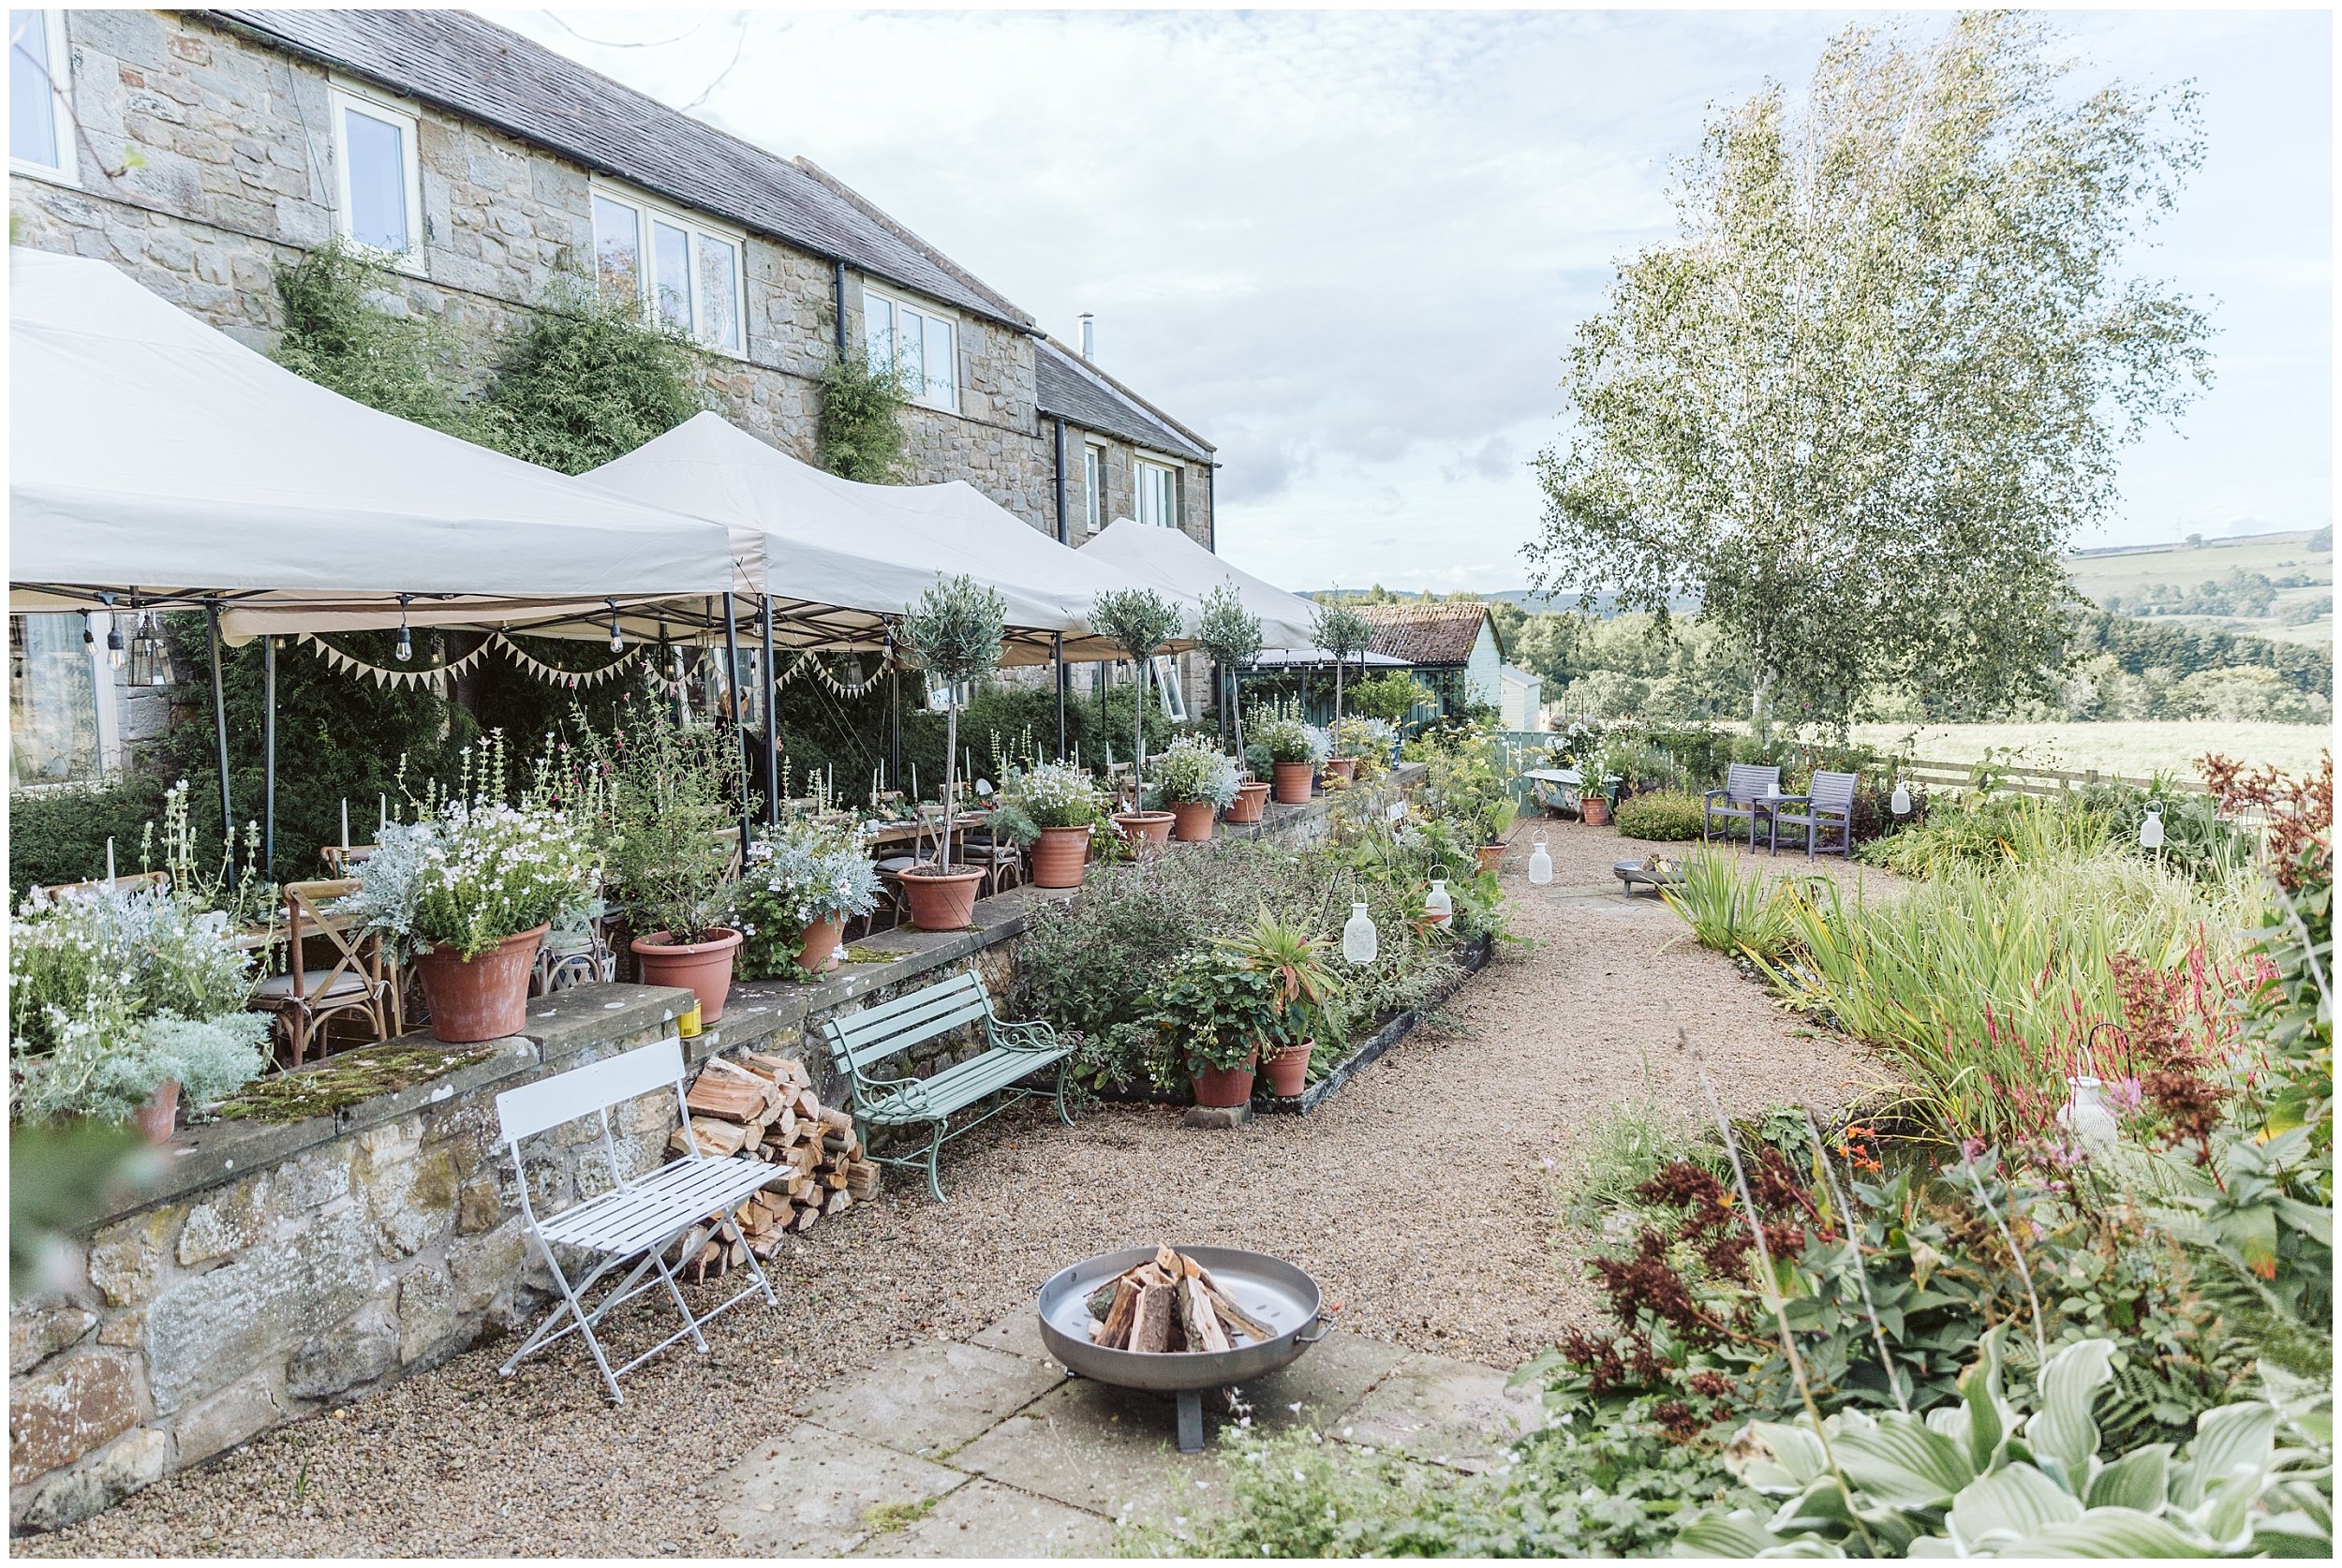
x,y
1420,1197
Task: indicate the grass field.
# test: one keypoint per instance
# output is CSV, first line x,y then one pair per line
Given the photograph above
x,y
2272,556
2132,749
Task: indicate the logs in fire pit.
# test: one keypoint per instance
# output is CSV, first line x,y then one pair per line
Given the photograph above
x,y
1169,1303
765,1105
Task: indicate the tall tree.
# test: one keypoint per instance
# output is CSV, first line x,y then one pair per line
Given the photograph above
x,y
1880,378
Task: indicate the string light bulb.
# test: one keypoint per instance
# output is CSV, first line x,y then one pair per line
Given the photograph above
x,y
618,637
405,649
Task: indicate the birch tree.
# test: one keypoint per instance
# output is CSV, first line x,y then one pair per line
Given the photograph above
x,y
1864,401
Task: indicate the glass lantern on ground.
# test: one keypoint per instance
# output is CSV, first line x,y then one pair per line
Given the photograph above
x,y
1358,943
1437,904
1540,862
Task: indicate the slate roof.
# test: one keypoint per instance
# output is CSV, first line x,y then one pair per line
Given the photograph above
x,y
1426,635
1081,394
484,72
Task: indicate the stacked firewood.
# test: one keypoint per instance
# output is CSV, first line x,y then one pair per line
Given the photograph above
x,y
1169,1302
765,1105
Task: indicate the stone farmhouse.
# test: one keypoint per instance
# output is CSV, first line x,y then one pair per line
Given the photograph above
x,y
197,149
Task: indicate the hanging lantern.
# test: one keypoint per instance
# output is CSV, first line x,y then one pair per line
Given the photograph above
x,y
1900,801
2085,1117
1359,943
1437,904
405,649
618,637
2151,831
150,657
1540,862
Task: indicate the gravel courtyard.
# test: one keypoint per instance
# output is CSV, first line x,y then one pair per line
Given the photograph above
x,y
1420,1197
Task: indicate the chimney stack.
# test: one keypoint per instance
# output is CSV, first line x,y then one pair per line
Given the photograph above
x,y
1089,335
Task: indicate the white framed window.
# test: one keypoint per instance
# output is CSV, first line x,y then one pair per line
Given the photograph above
x,y
924,344
40,108
60,718
378,175
1094,487
1169,689
686,273
1158,487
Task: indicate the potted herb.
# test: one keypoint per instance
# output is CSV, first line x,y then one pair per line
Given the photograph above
x,y
1139,621
665,792
470,893
953,633
1211,1012
803,884
1345,633
1301,987
1294,749
1054,807
122,1003
1196,779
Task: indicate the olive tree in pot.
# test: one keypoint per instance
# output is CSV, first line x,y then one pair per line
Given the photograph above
x,y
953,633
664,792
1345,633
1231,635
1139,621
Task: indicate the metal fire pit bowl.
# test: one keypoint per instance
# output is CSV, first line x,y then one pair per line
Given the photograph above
x,y
1273,1292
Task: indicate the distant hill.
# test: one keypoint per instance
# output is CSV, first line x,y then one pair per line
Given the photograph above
x,y
2277,585
1605,603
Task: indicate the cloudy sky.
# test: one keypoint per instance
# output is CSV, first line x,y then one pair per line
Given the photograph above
x,y
1350,247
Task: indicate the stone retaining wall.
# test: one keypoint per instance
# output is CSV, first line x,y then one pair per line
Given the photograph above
x,y
278,1270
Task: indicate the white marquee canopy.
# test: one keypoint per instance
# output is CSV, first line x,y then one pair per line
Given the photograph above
x,y
152,452
1169,560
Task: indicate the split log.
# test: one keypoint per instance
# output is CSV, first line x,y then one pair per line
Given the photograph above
x,y
1150,1327
838,1201
1197,1321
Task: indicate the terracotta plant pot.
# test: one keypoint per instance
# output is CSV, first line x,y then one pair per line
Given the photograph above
x,y
941,900
1293,781
1251,802
485,998
704,967
160,1115
1288,1070
1596,811
820,947
1191,821
1490,856
1150,831
1343,768
1058,858
1224,1088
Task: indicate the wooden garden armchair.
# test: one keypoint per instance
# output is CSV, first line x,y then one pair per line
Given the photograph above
x,y
1828,803
1746,786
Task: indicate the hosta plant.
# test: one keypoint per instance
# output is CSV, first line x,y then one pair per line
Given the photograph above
x,y
1976,1480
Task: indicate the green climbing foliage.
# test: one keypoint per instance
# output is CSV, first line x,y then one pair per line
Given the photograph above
x,y
862,430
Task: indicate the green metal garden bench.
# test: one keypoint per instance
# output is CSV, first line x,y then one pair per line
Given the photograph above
x,y
861,1042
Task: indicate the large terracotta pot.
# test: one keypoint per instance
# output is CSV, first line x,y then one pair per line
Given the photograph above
x,y
1222,1087
820,946
1490,856
1191,821
1293,781
1288,1070
704,967
1150,831
1057,860
1343,768
1251,801
159,1116
485,998
941,900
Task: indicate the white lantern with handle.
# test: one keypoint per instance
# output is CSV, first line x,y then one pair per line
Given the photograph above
x,y
1437,904
1540,862
1359,943
2151,831
1900,801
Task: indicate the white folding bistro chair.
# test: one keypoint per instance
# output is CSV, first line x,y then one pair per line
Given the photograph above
x,y
637,1221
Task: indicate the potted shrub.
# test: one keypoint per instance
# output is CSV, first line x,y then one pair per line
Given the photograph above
x,y
1495,819
663,788
1300,988
470,893
1139,621
953,633
1345,633
1230,636
1053,807
1196,779
1211,1013
1294,749
803,884
122,1004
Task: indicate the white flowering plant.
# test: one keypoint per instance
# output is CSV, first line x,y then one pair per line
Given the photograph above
x,y
115,991
1288,738
1055,795
805,874
1366,739
1192,770
473,874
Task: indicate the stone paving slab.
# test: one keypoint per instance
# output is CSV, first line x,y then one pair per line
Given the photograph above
x,y
1457,1413
1111,1451
933,1398
985,1520
811,1494
1019,1334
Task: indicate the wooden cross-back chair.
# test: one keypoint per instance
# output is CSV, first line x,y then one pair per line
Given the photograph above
x,y
351,981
